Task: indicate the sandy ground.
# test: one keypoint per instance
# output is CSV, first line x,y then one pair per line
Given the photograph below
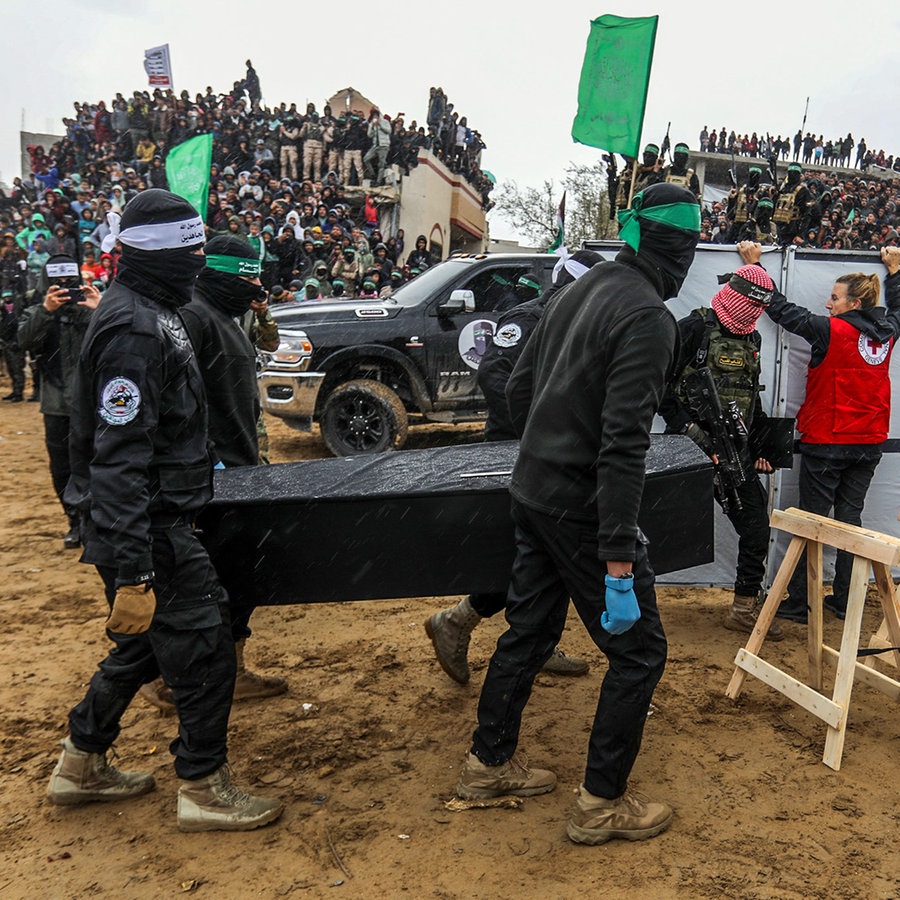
x,y
366,771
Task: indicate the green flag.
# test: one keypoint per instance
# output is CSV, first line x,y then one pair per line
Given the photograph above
x,y
187,168
612,92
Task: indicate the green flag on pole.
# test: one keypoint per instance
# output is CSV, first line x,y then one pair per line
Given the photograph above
x,y
187,168
612,92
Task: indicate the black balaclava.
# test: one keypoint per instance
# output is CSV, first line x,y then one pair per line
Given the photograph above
x,y
167,274
226,291
651,155
764,211
753,176
666,251
680,156
793,174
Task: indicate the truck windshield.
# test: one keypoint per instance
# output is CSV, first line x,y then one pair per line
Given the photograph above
x,y
429,283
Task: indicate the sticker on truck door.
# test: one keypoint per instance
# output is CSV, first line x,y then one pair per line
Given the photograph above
x,y
474,340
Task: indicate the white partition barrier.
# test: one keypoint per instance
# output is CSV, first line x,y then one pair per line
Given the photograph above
x,y
806,278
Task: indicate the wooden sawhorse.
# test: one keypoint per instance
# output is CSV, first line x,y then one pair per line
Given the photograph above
x,y
871,550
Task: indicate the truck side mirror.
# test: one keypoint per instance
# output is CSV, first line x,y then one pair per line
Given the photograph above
x,y
460,301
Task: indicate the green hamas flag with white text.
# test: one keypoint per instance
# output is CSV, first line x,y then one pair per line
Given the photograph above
x,y
187,168
612,92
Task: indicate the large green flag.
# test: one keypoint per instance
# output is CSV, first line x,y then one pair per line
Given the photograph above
x,y
612,92
187,168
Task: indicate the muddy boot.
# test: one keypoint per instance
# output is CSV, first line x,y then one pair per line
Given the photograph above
x,y
215,804
81,777
631,816
72,540
742,617
478,781
158,694
251,685
562,664
449,631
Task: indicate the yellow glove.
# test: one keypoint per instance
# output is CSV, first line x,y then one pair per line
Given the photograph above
x,y
132,610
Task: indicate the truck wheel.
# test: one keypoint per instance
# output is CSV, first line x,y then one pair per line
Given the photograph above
x,y
363,417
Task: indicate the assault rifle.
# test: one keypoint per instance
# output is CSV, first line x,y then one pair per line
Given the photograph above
x,y
612,183
727,435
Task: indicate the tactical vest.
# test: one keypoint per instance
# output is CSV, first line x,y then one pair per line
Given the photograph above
x,y
680,180
622,191
733,361
786,210
314,132
742,205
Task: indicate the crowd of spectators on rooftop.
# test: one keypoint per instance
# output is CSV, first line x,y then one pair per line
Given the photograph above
x,y
299,185
808,148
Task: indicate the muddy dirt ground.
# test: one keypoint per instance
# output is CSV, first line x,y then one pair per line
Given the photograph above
x,y
365,771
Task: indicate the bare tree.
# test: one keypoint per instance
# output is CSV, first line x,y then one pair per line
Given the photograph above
x,y
532,211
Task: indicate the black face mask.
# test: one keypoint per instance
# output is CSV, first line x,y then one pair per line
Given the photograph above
x,y
229,293
166,276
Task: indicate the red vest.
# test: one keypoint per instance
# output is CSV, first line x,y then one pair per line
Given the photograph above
x,y
848,395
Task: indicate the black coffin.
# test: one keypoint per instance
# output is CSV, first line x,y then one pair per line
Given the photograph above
x,y
418,523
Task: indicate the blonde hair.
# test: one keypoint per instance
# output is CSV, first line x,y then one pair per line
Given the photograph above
x,y
865,288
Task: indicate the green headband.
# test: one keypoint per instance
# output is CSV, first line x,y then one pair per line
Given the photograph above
x,y
684,216
682,148
234,265
756,169
765,202
795,167
525,281
651,148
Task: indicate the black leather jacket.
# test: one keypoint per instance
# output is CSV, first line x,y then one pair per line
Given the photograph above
x,y
138,423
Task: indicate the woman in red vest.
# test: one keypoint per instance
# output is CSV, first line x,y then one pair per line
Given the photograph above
x,y
845,417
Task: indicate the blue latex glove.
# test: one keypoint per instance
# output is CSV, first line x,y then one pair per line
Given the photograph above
x,y
622,609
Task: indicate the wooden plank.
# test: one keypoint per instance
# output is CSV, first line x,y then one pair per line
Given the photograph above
x,y
846,665
868,676
814,620
859,541
767,613
803,695
879,641
887,594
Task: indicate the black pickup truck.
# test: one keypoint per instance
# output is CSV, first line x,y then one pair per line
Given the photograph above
x,y
363,368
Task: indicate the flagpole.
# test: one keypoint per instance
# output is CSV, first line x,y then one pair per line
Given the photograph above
x,y
633,180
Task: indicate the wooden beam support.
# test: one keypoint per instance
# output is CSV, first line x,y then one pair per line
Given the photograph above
x,y
859,541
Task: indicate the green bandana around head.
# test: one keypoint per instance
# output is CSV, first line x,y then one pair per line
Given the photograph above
x,y
756,169
651,148
527,281
684,216
234,265
795,167
682,148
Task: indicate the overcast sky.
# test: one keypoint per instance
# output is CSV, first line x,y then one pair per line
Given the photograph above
x,y
512,70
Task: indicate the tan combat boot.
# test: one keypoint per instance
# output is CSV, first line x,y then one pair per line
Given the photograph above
x,y
157,693
742,617
251,685
478,781
82,777
449,631
215,804
631,816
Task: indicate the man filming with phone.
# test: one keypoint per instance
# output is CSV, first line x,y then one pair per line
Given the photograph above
x,y
52,330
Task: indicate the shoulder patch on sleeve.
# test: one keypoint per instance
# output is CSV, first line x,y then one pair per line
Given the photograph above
x,y
120,401
508,335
